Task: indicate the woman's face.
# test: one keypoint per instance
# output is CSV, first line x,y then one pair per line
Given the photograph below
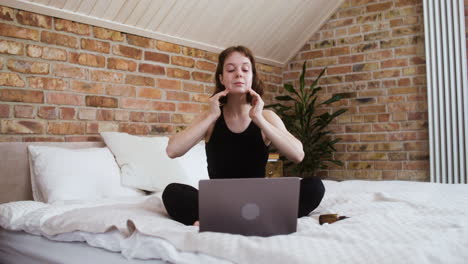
x,y
237,73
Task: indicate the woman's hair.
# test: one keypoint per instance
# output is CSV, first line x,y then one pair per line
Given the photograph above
x,y
257,84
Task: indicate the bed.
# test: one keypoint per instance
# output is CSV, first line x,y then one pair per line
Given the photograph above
x,y
389,222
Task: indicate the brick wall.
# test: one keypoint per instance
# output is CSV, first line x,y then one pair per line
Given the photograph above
x,y
65,81
374,51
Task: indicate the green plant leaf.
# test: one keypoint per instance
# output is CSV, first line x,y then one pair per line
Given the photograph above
x,y
284,98
333,99
288,87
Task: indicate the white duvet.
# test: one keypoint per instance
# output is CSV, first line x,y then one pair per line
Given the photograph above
x,y
390,222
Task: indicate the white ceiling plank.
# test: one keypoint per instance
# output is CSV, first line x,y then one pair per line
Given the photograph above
x,y
113,9
164,8
86,6
149,13
71,5
42,2
100,8
125,11
137,12
57,3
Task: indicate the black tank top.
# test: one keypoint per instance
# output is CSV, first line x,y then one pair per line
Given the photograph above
x,y
236,155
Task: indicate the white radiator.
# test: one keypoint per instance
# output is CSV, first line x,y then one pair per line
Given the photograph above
x,y
447,90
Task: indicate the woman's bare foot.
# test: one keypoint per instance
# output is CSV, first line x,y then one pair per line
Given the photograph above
x,y
196,223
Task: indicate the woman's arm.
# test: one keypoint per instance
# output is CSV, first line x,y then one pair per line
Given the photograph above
x,y
183,141
273,128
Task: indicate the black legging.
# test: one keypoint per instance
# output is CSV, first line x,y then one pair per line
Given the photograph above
x,y
181,200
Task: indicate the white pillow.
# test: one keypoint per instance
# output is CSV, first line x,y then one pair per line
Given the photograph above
x,y
59,174
145,165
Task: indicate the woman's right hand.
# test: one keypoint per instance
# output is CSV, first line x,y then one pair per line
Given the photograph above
x,y
214,110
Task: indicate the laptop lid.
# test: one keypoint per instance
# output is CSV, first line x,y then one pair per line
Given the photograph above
x,y
251,207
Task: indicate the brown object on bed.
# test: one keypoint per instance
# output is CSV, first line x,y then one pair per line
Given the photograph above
x,y
330,218
15,180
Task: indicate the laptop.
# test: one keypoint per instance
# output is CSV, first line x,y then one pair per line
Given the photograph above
x,y
251,207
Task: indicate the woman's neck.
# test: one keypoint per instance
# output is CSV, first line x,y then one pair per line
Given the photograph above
x,y
237,106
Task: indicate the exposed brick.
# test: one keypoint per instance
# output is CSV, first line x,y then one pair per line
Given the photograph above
x,y
108,34
25,96
47,83
86,87
18,32
163,106
204,77
23,111
161,129
182,118
121,90
6,13
156,56
88,59
183,61
72,27
192,87
151,68
169,84
87,114
105,76
67,113
206,66
69,71
177,96
201,98
166,46
21,127
11,79
64,99
188,107
121,115
47,112
105,115
360,165
404,31
59,39
4,109
11,47
394,63
192,52
178,73
140,41
33,19
28,66
127,51
66,128
101,101
121,64
139,80
155,117
152,93
46,53
379,7
137,116
43,139
134,129
95,45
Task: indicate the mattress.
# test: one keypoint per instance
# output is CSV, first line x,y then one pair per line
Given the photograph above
x,y
389,222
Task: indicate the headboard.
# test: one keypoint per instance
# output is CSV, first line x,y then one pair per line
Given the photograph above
x,y
15,181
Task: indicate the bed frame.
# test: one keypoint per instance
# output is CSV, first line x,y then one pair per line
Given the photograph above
x,y
15,179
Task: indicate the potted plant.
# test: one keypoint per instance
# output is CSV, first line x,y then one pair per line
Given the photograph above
x,y
299,114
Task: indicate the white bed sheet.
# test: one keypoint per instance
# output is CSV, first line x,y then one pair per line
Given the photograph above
x,y
390,222
20,247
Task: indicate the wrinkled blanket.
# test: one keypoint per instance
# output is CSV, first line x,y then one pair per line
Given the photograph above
x,y
389,222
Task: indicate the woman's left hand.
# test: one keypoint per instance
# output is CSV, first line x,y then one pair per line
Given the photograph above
x,y
256,111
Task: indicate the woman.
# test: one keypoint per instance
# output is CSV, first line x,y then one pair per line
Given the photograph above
x,y
237,131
